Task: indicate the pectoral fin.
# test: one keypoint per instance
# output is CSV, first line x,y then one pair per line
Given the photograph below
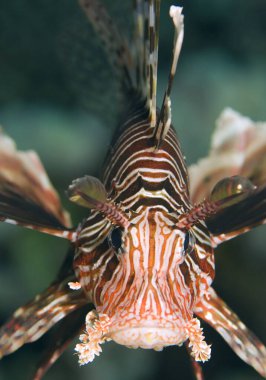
x,y
246,345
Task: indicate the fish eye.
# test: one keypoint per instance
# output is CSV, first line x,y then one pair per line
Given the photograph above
x,y
189,243
115,239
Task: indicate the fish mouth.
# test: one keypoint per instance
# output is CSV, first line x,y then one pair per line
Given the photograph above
x,y
148,337
155,334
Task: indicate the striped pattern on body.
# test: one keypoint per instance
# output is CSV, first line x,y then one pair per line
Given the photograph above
x,y
150,187
137,172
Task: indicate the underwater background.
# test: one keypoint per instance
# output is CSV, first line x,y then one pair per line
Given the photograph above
x,y
58,97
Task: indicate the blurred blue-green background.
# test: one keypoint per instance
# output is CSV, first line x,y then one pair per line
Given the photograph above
x,y
58,97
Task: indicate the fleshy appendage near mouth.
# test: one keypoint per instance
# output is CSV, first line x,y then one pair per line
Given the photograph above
x,y
152,335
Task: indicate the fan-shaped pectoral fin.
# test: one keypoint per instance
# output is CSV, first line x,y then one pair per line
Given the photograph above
x,y
246,345
61,338
31,321
238,148
27,197
240,217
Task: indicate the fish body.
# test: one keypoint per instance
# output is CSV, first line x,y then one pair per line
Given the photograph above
x,y
148,285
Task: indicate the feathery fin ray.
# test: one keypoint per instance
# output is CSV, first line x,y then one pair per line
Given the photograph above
x,y
31,321
152,55
234,206
146,42
139,47
27,197
165,118
246,345
60,338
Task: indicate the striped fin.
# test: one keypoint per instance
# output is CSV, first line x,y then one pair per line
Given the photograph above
x,y
228,192
114,44
238,147
240,217
165,118
207,210
147,14
61,338
229,216
26,194
32,320
151,41
245,344
139,48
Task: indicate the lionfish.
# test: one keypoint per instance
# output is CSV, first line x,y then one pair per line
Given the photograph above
x,y
140,267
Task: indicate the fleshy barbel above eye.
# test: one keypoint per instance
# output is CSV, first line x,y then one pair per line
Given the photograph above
x,y
115,239
189,243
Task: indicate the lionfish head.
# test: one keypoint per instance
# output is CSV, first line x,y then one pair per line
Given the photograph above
x,y
161,270
160,275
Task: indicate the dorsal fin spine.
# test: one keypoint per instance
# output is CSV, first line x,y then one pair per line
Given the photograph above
x,y
165,118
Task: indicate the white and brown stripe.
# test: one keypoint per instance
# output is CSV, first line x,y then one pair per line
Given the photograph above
x,y
149,280
152,279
